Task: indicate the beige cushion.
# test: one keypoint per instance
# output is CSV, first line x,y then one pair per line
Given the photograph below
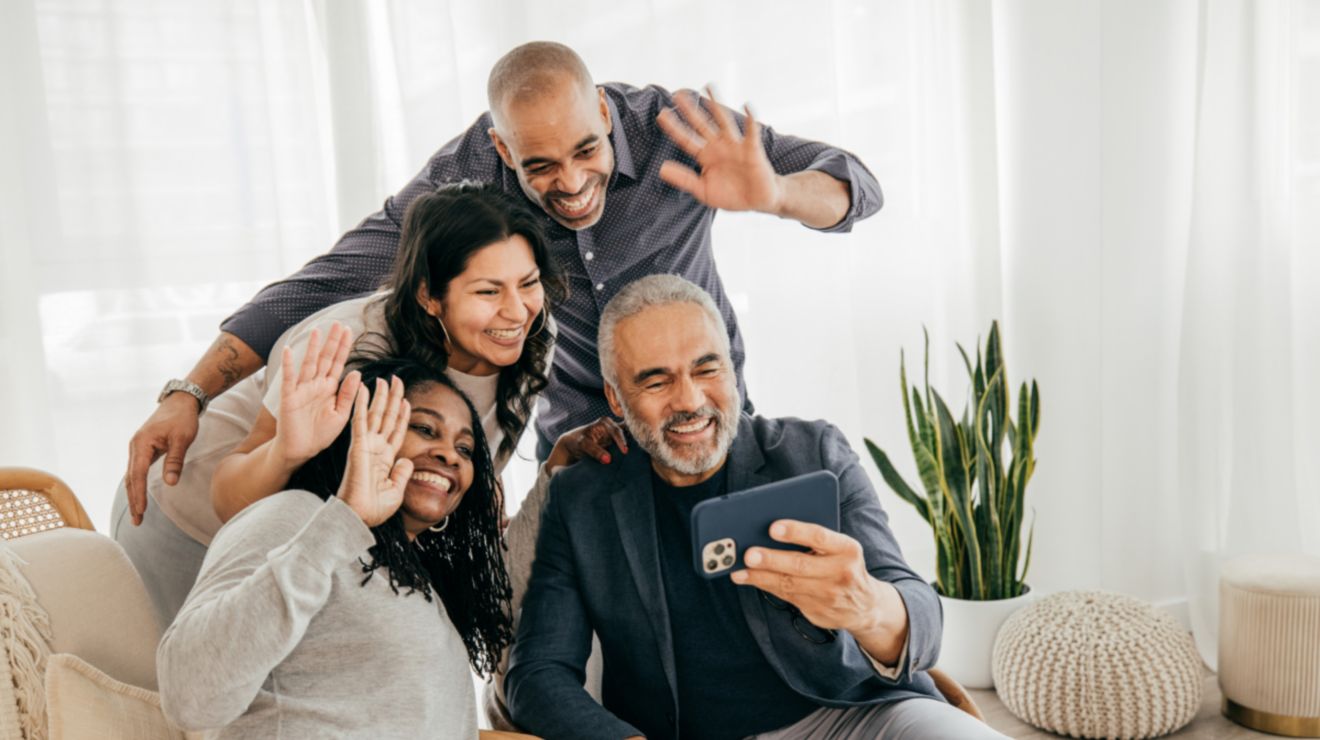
x,y
1093,664
99,609
83,702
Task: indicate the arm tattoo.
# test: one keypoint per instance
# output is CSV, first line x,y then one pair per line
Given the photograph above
x,y
229,367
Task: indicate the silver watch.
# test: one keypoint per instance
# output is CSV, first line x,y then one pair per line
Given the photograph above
x,y
185,386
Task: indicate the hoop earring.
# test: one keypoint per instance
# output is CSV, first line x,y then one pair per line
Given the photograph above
x,y
443,523
545,319
448,344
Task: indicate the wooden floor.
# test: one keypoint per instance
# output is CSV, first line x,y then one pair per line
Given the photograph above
x,y
1209,724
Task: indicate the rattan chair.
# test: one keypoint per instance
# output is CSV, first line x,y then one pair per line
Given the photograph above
x,y
32,501
955,694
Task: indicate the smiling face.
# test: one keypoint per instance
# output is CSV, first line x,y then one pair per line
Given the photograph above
x,y
676,390
558,144
489,309
441,444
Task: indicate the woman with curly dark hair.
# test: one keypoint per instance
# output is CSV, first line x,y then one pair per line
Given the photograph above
x,y
470,295
380,567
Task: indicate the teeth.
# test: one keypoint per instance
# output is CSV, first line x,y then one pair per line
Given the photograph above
x,y
576,204
697,425
505,333
432,478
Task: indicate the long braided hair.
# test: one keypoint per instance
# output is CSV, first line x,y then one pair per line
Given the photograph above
x,y
441,231
464,564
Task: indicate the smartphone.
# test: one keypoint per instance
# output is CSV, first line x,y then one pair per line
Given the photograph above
x,y
723,528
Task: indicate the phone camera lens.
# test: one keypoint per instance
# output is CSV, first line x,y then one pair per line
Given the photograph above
x,y
728,560
719,549
711,565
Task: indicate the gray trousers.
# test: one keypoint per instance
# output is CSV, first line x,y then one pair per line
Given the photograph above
x,y
910,719
167,559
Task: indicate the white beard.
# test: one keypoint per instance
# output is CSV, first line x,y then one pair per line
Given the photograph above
x,y
652,439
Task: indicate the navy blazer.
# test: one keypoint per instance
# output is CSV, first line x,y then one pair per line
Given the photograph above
x,y
597,568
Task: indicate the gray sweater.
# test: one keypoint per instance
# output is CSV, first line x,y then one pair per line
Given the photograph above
x,y
279,639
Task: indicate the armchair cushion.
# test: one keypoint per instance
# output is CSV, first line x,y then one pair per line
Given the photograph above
x,y
99,610
82,702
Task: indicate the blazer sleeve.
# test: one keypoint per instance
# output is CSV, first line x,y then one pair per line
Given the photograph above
x,y
864,520
548,664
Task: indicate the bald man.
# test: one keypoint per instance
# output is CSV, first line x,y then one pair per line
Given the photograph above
x,y
629,180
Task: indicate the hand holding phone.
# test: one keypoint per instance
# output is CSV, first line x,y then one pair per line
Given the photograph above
x,y
724,528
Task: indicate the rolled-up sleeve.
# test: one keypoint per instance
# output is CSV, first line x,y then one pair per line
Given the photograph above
x,y
789,154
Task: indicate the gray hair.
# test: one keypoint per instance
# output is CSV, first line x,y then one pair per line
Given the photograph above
x,y
644,293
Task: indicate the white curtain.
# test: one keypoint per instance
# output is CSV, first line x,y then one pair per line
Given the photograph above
x,y
1132,187
1248,448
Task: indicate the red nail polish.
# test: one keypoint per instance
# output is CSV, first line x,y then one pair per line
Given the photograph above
x,y
605,459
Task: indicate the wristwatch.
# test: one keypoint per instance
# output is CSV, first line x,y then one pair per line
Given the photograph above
x,y
185,386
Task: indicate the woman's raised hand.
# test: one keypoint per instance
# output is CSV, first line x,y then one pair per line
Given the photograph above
x,y
373,480
314,404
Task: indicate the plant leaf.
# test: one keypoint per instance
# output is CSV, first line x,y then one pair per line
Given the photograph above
x,y
896,481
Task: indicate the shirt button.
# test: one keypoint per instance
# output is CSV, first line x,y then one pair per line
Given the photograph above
x,y
600,286
589,256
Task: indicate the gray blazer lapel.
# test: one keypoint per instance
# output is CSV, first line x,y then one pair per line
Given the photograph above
x,y
634,513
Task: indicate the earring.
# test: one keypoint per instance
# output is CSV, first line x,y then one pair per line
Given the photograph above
x,y
448,344
545,319
443,523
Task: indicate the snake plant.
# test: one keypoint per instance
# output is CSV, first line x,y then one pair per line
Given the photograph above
x,y
973,498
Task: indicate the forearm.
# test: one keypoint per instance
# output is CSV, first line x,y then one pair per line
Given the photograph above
x,y
813,198
227,361
244,477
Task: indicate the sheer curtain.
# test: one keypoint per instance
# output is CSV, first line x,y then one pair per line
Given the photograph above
x,y
1132,187
171,158
1249,472
1159,198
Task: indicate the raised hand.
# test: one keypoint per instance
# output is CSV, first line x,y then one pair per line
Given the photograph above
x,y
373,480
735,173
314,404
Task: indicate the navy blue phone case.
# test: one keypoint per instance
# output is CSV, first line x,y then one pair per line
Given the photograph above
x,y
746,516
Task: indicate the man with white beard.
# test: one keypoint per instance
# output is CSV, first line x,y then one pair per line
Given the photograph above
x,y
829,643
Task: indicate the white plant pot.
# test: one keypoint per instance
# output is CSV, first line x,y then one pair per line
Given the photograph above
x,y
970,628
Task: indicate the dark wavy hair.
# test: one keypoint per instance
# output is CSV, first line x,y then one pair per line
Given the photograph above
x,y
464,564
441,232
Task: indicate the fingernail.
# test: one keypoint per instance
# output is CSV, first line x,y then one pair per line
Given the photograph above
x,y
604,459
739,576
777,530
753,558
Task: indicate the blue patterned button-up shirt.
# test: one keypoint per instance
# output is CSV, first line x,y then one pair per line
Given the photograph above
x,y
647,228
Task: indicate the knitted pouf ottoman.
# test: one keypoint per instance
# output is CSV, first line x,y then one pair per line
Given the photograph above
x,y
1269,643
1097,665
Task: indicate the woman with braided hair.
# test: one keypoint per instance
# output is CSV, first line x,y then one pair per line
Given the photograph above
x,y
353,603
